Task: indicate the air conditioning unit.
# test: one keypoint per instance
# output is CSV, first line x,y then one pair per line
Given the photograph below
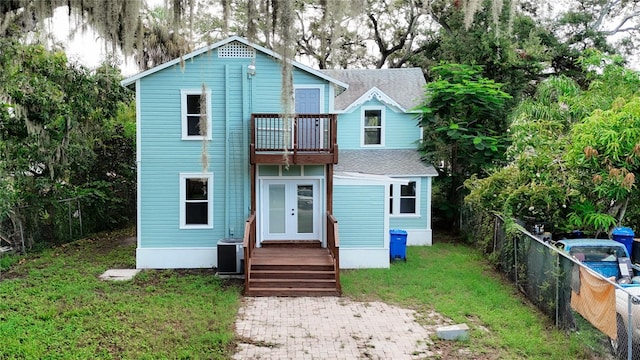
x,y
230,256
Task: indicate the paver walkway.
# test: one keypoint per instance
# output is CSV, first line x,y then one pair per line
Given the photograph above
x,y
330,328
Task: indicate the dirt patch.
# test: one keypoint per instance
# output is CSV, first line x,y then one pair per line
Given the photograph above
x,y
447,237
185,272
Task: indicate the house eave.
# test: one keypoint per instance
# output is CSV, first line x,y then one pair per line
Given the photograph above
x,y
128,82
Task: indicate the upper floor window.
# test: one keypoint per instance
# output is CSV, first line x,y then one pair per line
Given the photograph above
x,y
404,199
372,126
196,115
196,201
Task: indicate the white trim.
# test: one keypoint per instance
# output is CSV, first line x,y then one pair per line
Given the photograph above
x,y
127,82
383,122
320,87
351,178
183,114
183,195
361,258
372,93
176,258
332,100
138,164
419,237
397,198
318,197
428,201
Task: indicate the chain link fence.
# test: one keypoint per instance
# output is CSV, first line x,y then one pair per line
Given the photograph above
x,y
60,221
559,285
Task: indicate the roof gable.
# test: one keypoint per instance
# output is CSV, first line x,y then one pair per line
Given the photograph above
x,y
236,51
380,96
402,89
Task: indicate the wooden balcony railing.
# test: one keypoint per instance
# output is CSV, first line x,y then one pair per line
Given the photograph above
x,y
333,244
300,139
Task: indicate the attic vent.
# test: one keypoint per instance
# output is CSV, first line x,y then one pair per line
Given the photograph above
x,y
236,50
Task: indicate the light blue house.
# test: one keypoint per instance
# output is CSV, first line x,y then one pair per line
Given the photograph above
x,y
217,159
378,138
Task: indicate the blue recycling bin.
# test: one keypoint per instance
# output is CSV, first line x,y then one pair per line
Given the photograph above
x,y
624,235
398,244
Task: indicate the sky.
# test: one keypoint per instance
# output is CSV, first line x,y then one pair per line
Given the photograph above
x,y
86,48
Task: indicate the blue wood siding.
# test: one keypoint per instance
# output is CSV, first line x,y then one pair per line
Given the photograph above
x,y
164,155
401,130
360,213
413,222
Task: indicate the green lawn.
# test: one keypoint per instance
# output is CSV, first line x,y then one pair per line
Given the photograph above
x,y
53,306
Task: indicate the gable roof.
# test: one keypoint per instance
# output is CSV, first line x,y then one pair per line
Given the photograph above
x,y
131,80
402,89
399,162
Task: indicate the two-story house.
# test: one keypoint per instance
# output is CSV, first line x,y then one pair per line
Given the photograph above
x,y
217,159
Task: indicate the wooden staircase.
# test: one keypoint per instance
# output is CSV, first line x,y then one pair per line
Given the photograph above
x,y
291,269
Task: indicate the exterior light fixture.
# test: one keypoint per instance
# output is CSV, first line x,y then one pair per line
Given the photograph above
x,y
251,69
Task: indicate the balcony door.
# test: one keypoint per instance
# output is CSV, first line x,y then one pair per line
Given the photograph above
x,y
290,209
309,129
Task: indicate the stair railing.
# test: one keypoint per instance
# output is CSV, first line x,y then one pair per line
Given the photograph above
x,y
333,244
249,244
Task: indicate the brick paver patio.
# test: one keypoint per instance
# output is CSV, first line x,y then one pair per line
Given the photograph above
x,y
330,328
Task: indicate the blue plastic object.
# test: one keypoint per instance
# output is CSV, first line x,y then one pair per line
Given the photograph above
x,y
398,244
624,235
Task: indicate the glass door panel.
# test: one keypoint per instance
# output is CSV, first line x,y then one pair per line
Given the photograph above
x,y
277,209
305,209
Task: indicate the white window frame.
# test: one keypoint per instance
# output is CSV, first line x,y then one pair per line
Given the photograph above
x,y
183,114
395,211
183,200
383,121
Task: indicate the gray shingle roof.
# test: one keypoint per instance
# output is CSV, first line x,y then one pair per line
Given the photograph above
x,y
405,85
384,162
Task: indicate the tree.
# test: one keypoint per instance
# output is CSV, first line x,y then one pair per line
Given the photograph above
x,y
607,25
511,48
464,125
535,184
158,42
53,123
399,29
116,21
573,155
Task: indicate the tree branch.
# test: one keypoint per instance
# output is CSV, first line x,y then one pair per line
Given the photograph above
x,y
622,22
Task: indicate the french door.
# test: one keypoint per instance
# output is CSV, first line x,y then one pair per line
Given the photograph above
x,y
290,209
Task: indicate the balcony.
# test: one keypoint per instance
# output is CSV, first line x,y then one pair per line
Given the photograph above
x,y
300,139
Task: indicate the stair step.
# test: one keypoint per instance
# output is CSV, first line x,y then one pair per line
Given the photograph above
x,y
294,274
286,270
291,292
292,267
293,283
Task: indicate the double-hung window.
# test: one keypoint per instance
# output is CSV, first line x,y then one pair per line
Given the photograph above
x,y
196,201
196,114
405,199
372,126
